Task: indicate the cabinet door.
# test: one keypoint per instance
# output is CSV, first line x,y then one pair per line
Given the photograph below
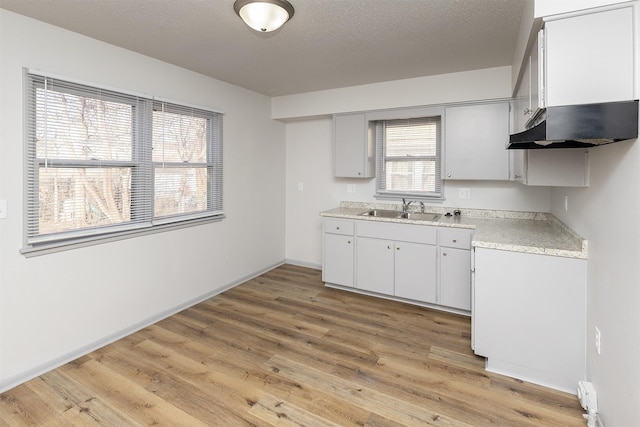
x,y
522,107
590,58
455,278
560,167
475,140
338,259
415,271
374,265
354,156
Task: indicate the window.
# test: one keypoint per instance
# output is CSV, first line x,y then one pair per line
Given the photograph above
x,y
408,158
100,163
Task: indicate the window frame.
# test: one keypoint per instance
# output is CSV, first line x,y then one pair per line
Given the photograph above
x,y
142,219
380,146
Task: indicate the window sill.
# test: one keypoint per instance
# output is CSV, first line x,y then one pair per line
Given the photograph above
x,y
65,245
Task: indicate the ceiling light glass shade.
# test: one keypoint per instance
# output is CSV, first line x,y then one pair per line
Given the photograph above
x,y
264,15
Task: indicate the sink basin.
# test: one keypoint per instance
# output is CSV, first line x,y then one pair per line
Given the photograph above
x,y
419,216
416,216
383,213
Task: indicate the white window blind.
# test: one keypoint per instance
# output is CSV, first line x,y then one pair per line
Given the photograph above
x,y
100,162
408,158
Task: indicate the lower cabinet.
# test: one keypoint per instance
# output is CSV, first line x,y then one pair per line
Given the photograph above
x,y
419,263
415,275
375,265
529,316
455,278
338,252
402,269
454,246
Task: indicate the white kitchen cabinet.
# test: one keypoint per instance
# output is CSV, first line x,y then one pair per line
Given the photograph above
x,y
354,146
397,259
558,167
454,255
375,265
475,140
529,316
338,252
589,58
529,96
415,271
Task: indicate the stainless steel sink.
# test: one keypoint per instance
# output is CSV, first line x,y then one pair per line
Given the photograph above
x,y
416,216
419,216
384,213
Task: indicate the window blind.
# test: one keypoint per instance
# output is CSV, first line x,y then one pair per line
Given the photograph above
x,y
92,163
408,157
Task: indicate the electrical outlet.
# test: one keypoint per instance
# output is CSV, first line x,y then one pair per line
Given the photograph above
x,y
351,188
300,186
598,340
464,193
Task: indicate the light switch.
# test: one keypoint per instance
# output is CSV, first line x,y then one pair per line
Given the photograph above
x,y
300,186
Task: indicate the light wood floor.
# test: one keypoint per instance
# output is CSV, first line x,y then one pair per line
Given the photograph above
x,y
284,350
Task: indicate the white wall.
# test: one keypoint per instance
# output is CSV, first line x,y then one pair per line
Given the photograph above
x,y
607,213
309,151
54,306
490,83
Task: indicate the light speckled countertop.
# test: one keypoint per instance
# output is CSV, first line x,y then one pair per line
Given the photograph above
x,y
531,232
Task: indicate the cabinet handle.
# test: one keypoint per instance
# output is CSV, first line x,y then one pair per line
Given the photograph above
x,y
397,249
388,247
337,228
455,240
444,254
349,241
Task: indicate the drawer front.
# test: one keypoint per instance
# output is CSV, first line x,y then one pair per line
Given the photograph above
x,y
337,226
397,232
454,238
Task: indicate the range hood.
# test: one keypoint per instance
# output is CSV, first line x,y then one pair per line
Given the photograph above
x,y
574,126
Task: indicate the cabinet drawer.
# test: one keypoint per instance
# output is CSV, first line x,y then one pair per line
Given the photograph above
x,y
336,226
398,232
454,238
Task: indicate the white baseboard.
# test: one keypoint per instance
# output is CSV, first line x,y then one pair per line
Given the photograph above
x,y
303,264
17,379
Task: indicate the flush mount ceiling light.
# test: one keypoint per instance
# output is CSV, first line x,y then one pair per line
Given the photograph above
x,y
264,15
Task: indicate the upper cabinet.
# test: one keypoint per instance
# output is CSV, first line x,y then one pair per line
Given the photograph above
x,y
354,146
589,58
559,167
577,58
529,97
475,137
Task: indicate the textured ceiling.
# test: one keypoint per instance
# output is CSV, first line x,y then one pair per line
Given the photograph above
x,y
328,43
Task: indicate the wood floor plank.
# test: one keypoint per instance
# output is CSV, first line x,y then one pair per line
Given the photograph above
x,y
371,400
278,412
143,406
283,349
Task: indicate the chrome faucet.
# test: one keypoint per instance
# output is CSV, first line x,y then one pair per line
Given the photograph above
x,y
405,205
